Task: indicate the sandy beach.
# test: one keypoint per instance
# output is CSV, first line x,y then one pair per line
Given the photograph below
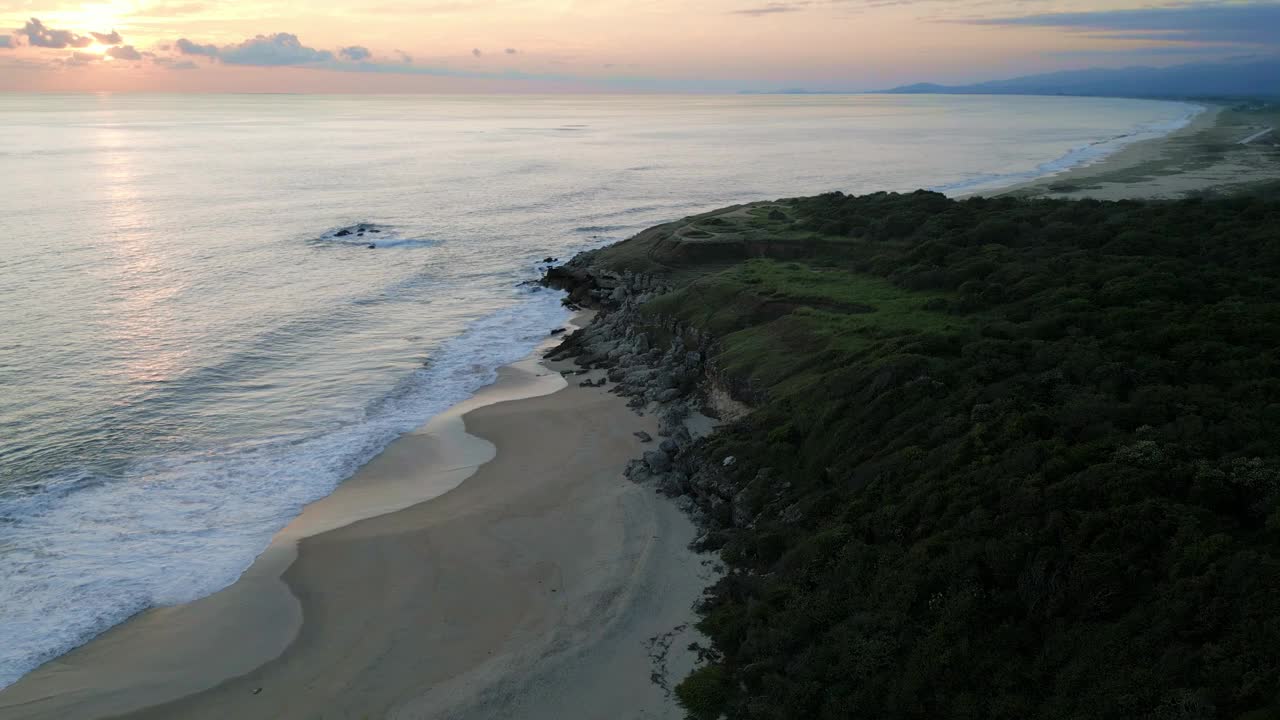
x,y
536,583
1218,151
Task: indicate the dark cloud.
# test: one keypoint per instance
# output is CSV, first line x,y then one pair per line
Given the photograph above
x,y
355,53
186,47
124,52
1150,51
175,63
82,58
277,50
791,6
775,8
111,38
476,52
770,9
6,42
1253,24
40,36
511,51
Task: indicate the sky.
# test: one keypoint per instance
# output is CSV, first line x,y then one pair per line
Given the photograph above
x,y
601,45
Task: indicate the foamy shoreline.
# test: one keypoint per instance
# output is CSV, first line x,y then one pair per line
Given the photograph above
x,y
257,625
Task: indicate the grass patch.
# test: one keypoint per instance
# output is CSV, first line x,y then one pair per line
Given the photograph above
x,y
704,692
783,324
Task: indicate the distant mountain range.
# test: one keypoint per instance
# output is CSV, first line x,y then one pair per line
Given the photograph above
x,y
1221,79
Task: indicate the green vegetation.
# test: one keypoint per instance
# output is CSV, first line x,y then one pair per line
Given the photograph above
x,y
790,322
1010,459
704,692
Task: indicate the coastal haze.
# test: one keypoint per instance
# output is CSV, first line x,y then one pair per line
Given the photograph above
x,y
216,308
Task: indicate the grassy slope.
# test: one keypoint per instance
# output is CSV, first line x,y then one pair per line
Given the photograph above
x,y
782,323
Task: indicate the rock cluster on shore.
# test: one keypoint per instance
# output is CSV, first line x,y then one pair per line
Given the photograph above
x,y
675,382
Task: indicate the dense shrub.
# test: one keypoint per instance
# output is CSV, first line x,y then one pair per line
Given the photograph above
x,y
1064,503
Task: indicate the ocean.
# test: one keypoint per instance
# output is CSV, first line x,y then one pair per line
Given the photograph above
x,y
214,308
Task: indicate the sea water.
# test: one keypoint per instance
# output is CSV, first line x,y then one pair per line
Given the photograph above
x,y
214,308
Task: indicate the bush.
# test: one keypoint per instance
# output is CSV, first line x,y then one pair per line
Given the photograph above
x,y
704,693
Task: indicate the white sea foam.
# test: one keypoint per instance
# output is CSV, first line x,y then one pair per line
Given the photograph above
x,y
175,529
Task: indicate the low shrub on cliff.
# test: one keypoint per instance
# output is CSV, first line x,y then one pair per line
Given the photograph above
x,y
1020,459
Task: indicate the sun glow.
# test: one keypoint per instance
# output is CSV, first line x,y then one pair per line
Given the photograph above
x,y
95,16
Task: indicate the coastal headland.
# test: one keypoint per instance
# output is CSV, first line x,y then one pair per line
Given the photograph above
x,y
941,484
1004,457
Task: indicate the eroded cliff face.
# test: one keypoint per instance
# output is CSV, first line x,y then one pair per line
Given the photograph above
x,y
665,367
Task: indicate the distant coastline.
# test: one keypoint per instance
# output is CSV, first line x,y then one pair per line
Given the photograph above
x,y
1207,157
1220,81
1198,115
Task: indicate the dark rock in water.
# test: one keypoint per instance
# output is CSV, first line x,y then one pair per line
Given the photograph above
x,y
342,233
371,245
374,230
557,331
644,436
548,260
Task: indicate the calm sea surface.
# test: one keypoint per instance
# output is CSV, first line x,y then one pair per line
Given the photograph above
x,y
190,351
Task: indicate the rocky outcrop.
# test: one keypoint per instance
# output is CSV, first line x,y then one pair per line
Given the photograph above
x,y
664,368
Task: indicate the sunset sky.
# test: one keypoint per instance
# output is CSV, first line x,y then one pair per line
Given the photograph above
x,y
599,45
